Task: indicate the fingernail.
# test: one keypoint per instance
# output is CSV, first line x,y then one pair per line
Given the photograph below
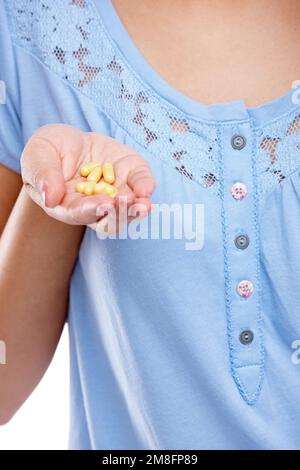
x,y
43,193
44,197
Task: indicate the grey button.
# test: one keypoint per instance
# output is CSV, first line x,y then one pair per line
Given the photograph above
x,y
246,337
238,142
242,242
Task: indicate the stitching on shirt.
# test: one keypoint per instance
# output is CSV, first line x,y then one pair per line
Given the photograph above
x,y
227,272
250,400
277,119
242,366
259,318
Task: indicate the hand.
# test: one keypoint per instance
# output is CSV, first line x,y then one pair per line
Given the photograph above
x,y
50,170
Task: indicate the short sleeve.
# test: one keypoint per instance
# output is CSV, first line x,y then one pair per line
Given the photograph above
x,y
11,138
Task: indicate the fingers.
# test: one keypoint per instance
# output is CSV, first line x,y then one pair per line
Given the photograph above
x,y
141,208
91,209
126,201
125,195
104,148
50,158
113,222
41,169
50,164
141,181
136,172
129,166
77,210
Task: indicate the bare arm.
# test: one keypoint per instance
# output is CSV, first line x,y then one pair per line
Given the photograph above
x,y
41,239
11,184
37,255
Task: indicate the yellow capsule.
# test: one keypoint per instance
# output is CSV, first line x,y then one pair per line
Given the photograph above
x,y
86,169
95,175
108,173
111,191
100,188
105,188
80,187
89,188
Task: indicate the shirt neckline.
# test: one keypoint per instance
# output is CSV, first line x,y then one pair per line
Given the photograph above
x,y
234,110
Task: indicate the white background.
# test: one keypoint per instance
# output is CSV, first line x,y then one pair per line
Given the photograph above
x,y
43,421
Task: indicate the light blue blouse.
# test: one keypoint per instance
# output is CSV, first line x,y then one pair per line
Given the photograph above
x,y
168,349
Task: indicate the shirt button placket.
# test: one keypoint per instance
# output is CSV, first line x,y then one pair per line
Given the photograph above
x,y
241,260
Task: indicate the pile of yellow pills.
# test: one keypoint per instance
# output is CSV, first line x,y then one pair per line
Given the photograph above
x,y
99,179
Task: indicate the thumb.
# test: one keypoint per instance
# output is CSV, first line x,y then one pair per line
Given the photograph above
x,y
42,170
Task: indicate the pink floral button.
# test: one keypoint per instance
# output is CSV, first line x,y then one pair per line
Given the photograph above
x,y
239,191
245,288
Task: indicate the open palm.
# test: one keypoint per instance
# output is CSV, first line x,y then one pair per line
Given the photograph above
x,y
50,169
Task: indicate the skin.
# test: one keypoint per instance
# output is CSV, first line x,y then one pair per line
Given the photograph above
x,y
219,50
37,254
11,185
40,242
220,61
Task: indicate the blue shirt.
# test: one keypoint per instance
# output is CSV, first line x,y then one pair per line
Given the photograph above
x,y
169,350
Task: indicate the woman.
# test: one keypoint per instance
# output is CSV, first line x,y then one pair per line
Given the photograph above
x,y
170,348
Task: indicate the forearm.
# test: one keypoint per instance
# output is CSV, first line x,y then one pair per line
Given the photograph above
x,y
11,184
37,255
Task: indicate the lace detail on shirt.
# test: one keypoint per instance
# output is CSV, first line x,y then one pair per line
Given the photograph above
x,y
69,37
278,153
